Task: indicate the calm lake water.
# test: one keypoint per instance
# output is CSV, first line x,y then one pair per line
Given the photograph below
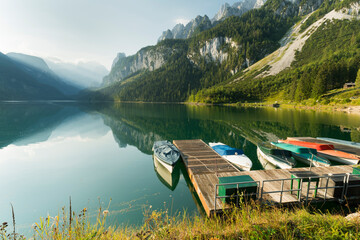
x,y
102,154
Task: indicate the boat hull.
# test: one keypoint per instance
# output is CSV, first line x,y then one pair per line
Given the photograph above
x,y
342,142
240,161
235,156
167,166
272,160
346,161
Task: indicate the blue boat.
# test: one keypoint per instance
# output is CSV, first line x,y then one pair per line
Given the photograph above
x,y
233,155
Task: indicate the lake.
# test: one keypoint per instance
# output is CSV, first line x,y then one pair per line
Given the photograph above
x,y
101,155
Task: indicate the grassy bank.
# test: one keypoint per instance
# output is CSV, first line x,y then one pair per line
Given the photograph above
x,y
251,221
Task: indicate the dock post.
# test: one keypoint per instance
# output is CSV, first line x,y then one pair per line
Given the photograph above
x,y
300,190
345,182
215,199
327,184
282,191
347,185
308,190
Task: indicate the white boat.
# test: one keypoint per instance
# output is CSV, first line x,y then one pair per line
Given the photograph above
x,y
166,153
233,155
278,157
342,142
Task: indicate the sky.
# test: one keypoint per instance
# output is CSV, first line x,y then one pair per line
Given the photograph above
x,y
92,30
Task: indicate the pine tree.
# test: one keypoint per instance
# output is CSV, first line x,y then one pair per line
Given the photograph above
x,y
357,82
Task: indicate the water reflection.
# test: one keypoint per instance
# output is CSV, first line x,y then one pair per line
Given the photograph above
x,y
49,152
169,179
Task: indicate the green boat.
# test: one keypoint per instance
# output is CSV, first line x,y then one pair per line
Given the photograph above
x,y
280,158
303,154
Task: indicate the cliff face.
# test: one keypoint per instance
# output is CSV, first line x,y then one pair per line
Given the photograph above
x,y
214,50
150,58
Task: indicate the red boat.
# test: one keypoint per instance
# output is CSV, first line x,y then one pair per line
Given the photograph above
x,y
327,150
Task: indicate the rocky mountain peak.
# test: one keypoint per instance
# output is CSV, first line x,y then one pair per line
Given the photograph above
x,y
237,9
117,58
181,31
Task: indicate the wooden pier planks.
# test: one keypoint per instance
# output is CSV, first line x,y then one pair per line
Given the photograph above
x,y
205,166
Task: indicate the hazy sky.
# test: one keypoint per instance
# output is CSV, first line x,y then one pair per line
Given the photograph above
x,y
92,30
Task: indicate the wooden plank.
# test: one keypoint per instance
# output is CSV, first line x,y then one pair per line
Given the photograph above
x,y
203,165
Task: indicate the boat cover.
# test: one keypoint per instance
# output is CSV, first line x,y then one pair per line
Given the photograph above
x,y
166,151
227,150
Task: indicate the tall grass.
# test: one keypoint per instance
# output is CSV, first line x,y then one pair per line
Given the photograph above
x,y
250,221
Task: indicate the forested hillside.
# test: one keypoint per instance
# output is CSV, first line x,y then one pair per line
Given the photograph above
x,y
187,70
213,66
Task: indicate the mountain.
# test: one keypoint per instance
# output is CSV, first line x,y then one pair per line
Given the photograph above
x,y
19,82
317,56
83,74
199,24
237,9
194,27
37,68
271,51
149,59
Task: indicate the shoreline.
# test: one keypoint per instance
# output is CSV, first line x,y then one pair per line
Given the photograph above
x,y
351,109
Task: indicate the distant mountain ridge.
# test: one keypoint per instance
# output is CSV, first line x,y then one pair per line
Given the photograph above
x,y
26,77
37,67
83,74
19,82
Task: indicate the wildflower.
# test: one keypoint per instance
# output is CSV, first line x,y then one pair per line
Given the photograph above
x,y
150,206
105,212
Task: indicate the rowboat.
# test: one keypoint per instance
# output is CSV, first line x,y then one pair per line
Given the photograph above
x,y
304,154
343,142
233,155
327,151
166,153
280,158
169,179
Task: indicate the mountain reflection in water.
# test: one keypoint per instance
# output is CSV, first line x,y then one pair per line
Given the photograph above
x,y
51,151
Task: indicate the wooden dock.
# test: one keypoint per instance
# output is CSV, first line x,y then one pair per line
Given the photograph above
x,y
204,167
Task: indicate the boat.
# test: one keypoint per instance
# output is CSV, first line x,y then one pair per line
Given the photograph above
x,y
342,142
233,155
169,179
327,151
266,164
166,153
280,158
304,154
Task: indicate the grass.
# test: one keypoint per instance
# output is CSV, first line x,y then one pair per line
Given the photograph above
x,y
250,221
